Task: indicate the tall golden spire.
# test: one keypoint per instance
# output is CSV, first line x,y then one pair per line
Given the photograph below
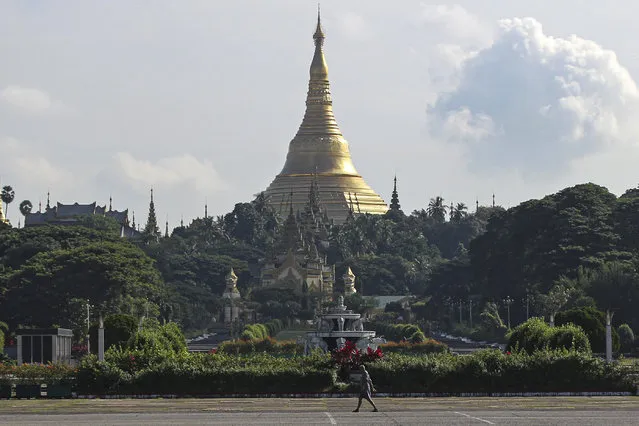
x,y
319,152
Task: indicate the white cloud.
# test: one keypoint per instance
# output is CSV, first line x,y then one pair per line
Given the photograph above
x,y
26,98
171,171
32,101
24,164
552,99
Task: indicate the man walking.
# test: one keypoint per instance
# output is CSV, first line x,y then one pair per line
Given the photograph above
x,y
365,389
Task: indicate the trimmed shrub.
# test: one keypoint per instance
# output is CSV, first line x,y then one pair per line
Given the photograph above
x,y
484,371
429,346
268,345
399,332
118,329
593,322
535,335
494,371
626,337
261,331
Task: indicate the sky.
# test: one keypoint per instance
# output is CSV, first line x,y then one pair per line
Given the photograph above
x,y
199,99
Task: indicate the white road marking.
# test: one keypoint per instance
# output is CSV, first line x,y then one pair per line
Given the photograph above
x,y
333,422
474,418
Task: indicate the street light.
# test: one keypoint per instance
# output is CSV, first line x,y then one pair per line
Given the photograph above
x,y
508,302
89,306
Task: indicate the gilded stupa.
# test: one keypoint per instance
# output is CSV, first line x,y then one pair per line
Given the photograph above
x,y
319,155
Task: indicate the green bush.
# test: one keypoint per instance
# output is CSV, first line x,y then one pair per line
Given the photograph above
x,y
261,331
494,371
118,329
268,345
535,335
484,371
428,346
399,332
593,322
202,374
626,337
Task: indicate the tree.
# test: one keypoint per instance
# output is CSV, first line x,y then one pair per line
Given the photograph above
x,y
556,299
459,212
436,209
7,195
25,208
626,337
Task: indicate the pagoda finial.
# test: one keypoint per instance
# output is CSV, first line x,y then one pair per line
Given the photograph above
x,y
48,200
493,199
319,33
166,229
110,203
182,221
133,223
206,208
394,205
151,227
40,206
476,204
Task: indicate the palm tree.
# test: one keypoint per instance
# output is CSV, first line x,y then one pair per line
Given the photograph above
x,y
25,208
7,195
436,209
459,212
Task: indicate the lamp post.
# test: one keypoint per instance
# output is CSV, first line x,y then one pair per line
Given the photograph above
x,y
88,327
470,312
508,300
460,311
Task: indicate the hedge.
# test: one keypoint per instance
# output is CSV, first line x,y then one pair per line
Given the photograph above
x,y
201,374
493,371
428,346
399,332
268,345
484,371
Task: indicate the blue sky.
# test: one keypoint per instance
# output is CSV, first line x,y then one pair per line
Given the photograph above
x,y
200,99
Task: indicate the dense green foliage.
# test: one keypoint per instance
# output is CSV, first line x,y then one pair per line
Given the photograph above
x,y
593,322
486,371
399,332
494,371
262,331
626,337
47,275
536,335
267,345
118,329
428,346
575,248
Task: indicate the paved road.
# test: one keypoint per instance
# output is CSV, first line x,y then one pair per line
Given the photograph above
x,y
394,411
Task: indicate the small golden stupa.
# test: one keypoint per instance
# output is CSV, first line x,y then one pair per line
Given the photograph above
x,y
319,154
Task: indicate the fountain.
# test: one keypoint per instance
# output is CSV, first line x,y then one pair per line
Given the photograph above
x,y
337,326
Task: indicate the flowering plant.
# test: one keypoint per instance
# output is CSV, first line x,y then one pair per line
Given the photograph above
x,y
351,357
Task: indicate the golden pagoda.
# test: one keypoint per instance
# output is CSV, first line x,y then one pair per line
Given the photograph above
x,y
3,219
319,154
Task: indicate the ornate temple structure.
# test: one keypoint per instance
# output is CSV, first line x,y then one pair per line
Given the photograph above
x,y
298,260
71,214
319,152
